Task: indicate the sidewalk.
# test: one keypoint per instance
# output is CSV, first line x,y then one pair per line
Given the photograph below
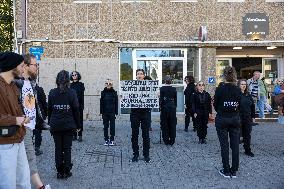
x,y
185,165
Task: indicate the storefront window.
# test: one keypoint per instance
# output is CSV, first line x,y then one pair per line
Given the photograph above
x,y
126,64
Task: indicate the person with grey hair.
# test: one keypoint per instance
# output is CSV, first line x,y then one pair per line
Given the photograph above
x,y
168,104
227,101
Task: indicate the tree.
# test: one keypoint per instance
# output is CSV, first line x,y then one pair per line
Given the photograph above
x,y
6,25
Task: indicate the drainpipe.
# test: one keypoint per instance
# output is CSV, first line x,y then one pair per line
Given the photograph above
x,y
24,26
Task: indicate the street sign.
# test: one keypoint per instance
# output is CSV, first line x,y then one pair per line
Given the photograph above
x,y
37,51
211,80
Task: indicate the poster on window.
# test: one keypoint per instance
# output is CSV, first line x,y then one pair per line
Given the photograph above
x,y
139,94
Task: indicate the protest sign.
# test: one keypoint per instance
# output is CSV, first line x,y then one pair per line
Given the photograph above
x,y
139,94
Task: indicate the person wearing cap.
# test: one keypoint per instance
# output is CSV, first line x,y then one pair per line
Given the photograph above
x,y
14,167
108,110
168,104
31,104
201,109
140,116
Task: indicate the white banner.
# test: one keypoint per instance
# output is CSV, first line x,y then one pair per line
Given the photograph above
x,y
139,94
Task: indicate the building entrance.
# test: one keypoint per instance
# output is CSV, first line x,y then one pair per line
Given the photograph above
x,y
246,66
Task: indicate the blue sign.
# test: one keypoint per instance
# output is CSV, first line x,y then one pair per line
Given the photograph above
x,y
37,51
211,80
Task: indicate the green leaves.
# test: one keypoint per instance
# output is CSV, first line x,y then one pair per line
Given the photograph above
x,y
6,25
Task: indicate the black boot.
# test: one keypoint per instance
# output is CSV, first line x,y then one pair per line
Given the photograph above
x,y
60,173
80,139
67,171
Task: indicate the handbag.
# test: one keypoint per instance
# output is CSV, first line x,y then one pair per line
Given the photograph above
x,y
8,131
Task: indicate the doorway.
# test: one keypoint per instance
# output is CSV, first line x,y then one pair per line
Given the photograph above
x,y
246,66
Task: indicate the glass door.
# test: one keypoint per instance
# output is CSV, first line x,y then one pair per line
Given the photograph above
x,y
221,64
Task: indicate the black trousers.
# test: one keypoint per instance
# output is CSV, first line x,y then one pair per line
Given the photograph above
x,y
109,121
189,114
143,119
202,121
63,144
246,126
168,121
38,138
81,121
234,134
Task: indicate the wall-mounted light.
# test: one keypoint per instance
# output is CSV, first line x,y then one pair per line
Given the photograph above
x,y
237,48
271,47
86,1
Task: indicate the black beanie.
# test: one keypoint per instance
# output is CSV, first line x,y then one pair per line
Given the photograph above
x,y
9,61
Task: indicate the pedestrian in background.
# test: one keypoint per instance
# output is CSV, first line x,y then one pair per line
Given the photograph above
x,y
247,115
201,109
79,87
188,92
227,101
168,104
108,110
64,119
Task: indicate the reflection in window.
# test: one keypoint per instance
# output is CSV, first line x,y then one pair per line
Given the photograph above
x,y
174,69
192,63
150,67
160,53
126,65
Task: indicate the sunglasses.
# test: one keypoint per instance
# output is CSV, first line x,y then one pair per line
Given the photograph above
x,y
201,85
243,84
74,75
108,83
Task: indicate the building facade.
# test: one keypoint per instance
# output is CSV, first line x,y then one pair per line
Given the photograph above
x,y
112,38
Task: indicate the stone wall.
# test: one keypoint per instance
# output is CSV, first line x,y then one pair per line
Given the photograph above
x,y
208,68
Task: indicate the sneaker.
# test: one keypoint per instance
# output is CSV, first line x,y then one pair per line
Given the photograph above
x,y
249,153
204,141
147,159
194,130
111,143
233,174
226,175
106,143
135,159
67,174
47,186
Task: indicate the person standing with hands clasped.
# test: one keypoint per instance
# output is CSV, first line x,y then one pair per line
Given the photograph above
x,y
227,101
247,115
64,119
168,104
202,109
108,110
140,116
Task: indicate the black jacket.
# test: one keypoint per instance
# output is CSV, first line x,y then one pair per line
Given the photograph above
x,y
63,110
109,101
227,100
41,100
189,90
79,88
247,107
201,103
168,98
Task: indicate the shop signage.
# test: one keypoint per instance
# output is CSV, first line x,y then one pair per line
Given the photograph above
x,y
255,24
139,94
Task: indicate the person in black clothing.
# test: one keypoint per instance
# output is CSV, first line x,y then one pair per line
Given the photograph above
x,y
79,88
190,89
63,117
108,110
201,109
247,115
40,124
140,116
227,101
168,119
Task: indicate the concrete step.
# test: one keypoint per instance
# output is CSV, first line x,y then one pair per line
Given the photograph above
x,y
267,119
